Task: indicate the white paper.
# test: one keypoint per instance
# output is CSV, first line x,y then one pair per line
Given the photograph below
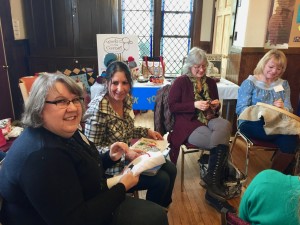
x,y
147,161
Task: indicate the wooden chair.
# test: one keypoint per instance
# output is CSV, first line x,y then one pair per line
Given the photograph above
x,y
187,149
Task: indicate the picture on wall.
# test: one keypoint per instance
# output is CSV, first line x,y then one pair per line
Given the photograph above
x,y
280,24
120,46
295,31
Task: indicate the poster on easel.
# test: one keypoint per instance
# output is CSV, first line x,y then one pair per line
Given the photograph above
x,y
122,45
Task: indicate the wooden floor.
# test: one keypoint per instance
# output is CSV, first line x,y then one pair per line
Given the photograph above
x,y
189,207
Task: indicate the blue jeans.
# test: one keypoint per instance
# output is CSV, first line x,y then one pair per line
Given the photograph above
x,y
255,129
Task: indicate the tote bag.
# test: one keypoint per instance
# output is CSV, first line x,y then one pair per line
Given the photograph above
x,y
153,66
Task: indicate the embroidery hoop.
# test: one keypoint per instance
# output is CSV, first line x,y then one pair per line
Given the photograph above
x,y
285,112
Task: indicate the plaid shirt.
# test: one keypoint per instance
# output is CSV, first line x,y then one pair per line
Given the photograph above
x,y
104,127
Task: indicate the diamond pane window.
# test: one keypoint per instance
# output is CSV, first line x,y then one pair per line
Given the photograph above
x,y
171,5
174,53
174,22
177,24
137,18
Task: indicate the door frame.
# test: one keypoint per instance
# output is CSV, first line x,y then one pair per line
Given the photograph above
x,y
7,110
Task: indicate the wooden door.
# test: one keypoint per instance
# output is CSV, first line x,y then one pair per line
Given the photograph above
x,y
223,30
91,18
49,25
6,106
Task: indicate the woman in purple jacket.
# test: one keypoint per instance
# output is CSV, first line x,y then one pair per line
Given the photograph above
x,y
193,100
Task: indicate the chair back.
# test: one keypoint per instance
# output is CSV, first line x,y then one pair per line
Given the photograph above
x,y
163,118
25,84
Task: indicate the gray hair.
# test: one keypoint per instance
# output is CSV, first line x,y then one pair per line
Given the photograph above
x,y
196,56
38,94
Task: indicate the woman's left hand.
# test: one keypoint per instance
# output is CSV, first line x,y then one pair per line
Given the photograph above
x,y
215,103
154,135
117,149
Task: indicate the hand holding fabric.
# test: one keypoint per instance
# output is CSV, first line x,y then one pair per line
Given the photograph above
x,y
128,179
279,103
214,104
154,135
201,105
117,149
133,153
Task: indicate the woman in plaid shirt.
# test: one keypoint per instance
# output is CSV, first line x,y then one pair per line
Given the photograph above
x,y
110,119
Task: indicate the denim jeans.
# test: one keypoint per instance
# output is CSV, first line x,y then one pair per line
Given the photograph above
x,y
255,129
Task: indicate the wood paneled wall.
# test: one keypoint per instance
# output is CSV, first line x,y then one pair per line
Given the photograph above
x,y
242,62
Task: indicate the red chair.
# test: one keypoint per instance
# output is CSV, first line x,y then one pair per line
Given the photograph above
x,y
25,84
229,218
251,144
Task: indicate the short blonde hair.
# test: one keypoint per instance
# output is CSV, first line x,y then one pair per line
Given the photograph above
x,y
275,54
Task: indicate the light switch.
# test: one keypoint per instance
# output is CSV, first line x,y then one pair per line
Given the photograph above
x,y
16,28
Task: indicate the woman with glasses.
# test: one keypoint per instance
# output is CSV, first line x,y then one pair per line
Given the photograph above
x,y
110,119
194,101
54,175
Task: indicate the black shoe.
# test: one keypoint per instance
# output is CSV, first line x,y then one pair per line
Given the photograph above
x,y
203,183
203,163
220,206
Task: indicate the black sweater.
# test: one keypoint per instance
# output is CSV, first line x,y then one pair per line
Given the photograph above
x,y
47,179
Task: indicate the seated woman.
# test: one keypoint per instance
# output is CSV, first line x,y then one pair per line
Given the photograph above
x,y
193,100
53,175
271,198
267,86
110,119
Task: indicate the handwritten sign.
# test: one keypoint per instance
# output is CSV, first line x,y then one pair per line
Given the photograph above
x,y
122,45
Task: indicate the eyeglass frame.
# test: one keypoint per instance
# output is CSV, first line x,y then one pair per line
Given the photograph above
x,y
202,66
66,102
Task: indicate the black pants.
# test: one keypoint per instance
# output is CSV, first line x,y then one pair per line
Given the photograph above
x,y
159,187
139,212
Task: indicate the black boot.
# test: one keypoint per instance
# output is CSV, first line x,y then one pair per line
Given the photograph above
x,y
220,206
214,178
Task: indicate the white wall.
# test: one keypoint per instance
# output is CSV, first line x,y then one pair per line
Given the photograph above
x,y
206,24
17,15
251,23
240,24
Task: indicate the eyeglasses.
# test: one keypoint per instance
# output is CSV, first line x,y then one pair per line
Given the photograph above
x,y
64,103
197,67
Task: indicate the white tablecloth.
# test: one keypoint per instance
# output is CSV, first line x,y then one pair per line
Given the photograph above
x,y
227,90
